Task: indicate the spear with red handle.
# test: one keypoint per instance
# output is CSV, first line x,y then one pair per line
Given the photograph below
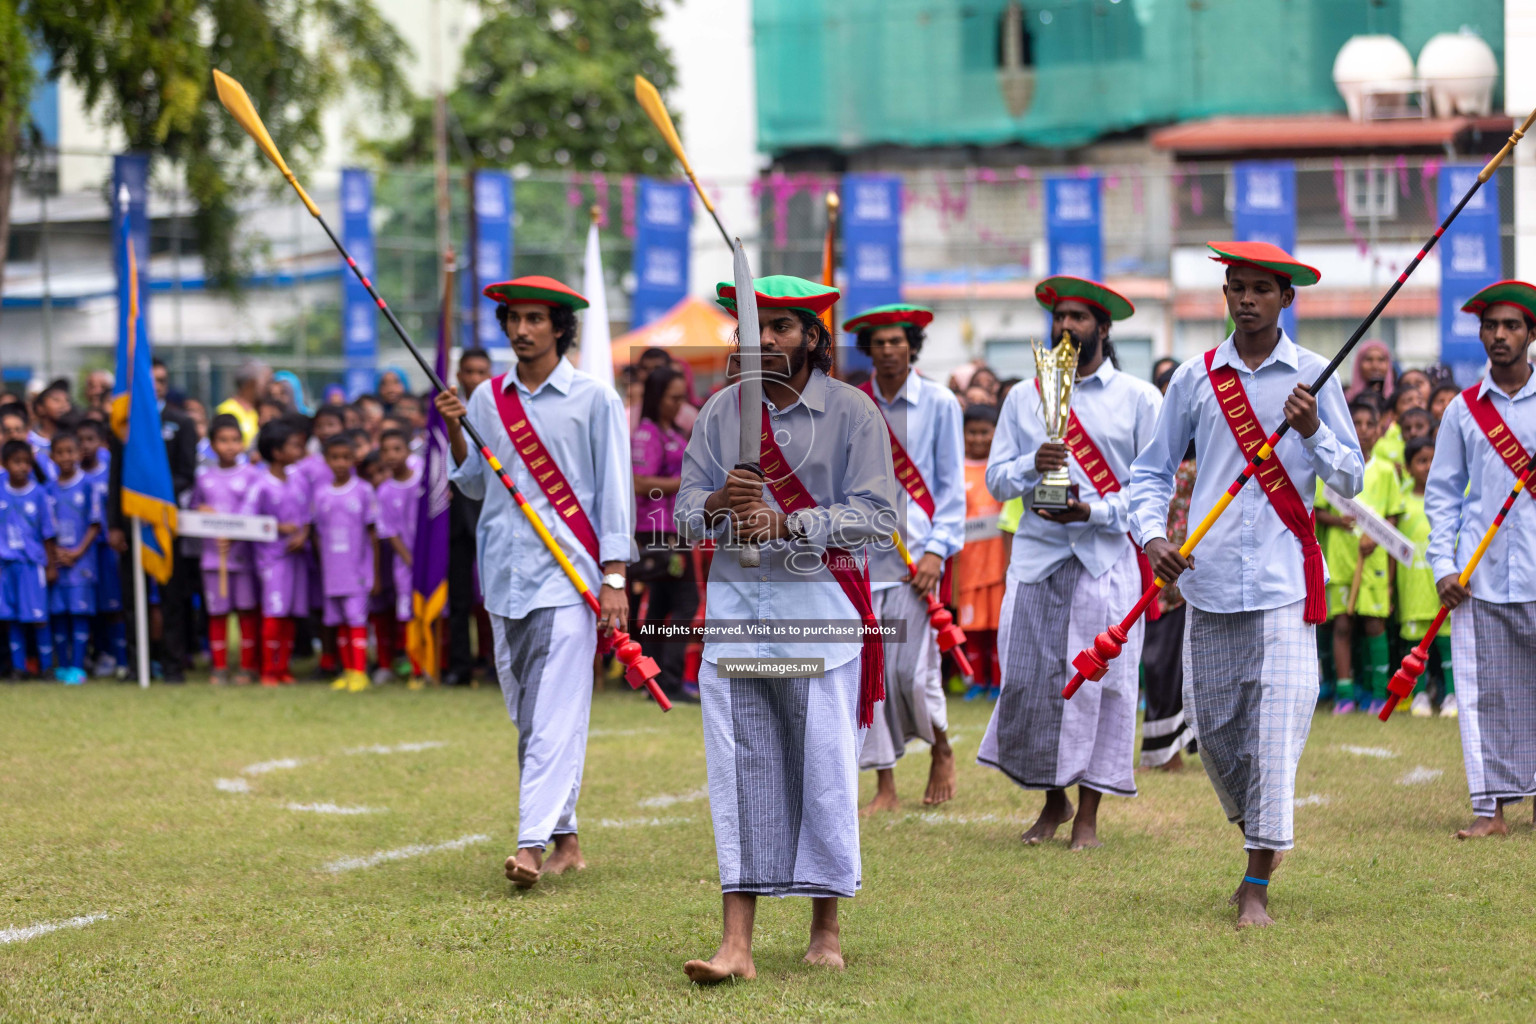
x,y
1407,675
639,669
1093,662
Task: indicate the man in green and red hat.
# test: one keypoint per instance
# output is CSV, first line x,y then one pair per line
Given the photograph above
x,y
1256,591
563,436
782,743
1485,441
928,451
1070,571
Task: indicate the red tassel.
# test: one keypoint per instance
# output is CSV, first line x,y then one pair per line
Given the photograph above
x,y
871,676
1315,610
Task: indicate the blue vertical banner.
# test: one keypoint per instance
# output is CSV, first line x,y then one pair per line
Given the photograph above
x,y
1470,259
1074,226
662,221
359,313
493,251
131,171
1264,210
871,251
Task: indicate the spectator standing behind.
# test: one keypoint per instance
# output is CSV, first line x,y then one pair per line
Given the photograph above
x,y
665,568
72,593
225,487
399,493
981,567
250,384
370,415
1440,398
111,635
26,557
1372,371
282,565
346,515
98,391
464,599
51,406
1418,601
391,386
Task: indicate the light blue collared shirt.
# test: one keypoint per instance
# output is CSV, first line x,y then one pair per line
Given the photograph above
x,y
582,423
1467,485
837,445
1119,412
1248,561
928,421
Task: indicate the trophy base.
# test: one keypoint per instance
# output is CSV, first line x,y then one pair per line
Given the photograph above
x,y
1054,497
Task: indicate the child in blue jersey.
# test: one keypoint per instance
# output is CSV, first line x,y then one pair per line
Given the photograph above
x,y
109,631
26,557
72,594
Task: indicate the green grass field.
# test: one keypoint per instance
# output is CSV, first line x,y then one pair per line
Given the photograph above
x,y
220,905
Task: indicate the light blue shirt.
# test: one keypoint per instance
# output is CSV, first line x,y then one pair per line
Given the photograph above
x,y
1467,485
928,421
1248,561
837,445
1119,413
582,423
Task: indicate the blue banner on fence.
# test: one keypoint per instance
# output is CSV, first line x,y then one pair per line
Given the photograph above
x,y
131,171
871,251
1074,226
359,313
493,251
1470,259
663,220
1265,211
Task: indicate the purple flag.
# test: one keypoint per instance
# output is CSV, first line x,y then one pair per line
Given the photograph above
x,y
429,559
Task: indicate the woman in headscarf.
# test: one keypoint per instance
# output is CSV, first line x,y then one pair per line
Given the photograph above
x,y
1372,370
288,389
391,386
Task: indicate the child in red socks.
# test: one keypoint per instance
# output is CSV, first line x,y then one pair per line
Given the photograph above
x,y
282,566
229,580
345,513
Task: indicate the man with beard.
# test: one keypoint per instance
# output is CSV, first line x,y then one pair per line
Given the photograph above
x,y
782,743
1483,446
1071,572
928,449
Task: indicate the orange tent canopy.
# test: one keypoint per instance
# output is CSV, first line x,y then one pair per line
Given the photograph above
x,y
696,332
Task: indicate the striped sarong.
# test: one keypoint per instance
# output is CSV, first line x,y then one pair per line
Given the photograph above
x,y
914,702
783,759
1250,687
1164,732
1493,652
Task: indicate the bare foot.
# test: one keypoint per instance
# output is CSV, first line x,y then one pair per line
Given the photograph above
x,y
1273,867
724,964
567,856
885,800
1484,827
523,868
941,776
1253,907
1174,763
1085,835
825,952
1053,815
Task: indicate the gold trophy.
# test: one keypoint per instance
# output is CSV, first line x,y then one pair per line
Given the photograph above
x,y
1056,373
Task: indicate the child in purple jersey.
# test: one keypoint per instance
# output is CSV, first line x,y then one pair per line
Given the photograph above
x,y
330,421
399,496
282,566
72,595
346,512
26,556
223,487
109,631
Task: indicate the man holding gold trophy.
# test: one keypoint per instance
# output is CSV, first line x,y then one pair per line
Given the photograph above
x,y
1066,446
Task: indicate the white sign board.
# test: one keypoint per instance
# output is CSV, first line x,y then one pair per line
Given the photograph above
x,y
228,525
1372,525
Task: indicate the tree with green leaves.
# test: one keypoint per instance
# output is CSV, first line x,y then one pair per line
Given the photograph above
x,y
145,69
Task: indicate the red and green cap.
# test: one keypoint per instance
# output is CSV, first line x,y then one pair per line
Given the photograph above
x,y
1266,257
781,292
1053,289
1504,293
895,314
543,290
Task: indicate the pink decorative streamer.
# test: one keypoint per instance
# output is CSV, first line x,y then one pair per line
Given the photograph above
x,y
1341,190
627,204
600,194
573,189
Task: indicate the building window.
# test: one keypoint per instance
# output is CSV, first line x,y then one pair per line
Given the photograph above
x,y
1372,193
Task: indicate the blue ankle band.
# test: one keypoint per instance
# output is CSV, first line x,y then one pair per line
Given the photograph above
x,y
1255,881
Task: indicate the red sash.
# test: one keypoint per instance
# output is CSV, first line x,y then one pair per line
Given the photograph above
x,y
906,469
1498,433
541,465
792,496
1106,483
1277,484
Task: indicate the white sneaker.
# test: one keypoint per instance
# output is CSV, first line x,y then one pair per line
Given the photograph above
x,y
1422,707
1448,707
382,676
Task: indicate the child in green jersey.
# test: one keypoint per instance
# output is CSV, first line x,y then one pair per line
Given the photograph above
x,y
1417,599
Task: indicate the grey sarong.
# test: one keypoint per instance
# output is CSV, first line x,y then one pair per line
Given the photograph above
x,y
914,702
1493,651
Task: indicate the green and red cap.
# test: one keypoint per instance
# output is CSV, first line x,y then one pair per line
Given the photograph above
x,y
1504,293
544,290
895,314
1266,257
781,291
1079,289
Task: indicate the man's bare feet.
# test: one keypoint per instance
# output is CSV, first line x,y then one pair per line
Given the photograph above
x,y
826,948
1056,812
1174,763
522,868
825,954
1085,835
885,793
1481,826
1253,906
724,964
1273,867
941,774
567,856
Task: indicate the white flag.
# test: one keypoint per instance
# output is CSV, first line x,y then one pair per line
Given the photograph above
x,y
596,348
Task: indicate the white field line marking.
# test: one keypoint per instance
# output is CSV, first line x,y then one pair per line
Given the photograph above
x,y
262,767
1420,775
668,799
1315,800
935,818
1382,752
335,809
641,822
32,931
403,853
398,748
231,785
599,733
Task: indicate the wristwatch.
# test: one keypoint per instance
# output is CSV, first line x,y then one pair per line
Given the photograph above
x,y
798,524
614,580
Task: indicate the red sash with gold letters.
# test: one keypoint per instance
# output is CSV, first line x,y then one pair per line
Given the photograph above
x,y
1504,441
542,466
906,469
